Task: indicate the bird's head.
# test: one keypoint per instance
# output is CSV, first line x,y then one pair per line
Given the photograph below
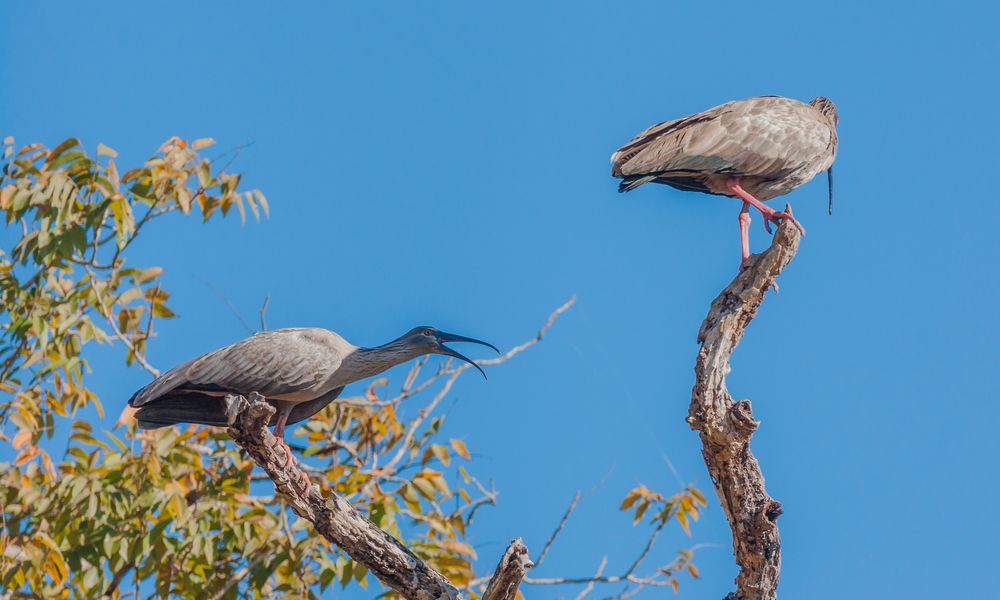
x,y
430,340
827,107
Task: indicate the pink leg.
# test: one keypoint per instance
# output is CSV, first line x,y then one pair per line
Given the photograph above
x,y
279,432
770,215
745,233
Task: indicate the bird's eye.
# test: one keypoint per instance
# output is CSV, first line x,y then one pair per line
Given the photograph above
x,y
429,332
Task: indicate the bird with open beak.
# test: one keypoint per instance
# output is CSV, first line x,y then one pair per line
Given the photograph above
x,y
298,371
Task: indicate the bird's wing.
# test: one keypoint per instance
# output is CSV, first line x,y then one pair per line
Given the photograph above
x,y
278,362
304,410
765,136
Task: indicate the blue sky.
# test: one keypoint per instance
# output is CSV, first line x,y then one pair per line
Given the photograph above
x,y
447,163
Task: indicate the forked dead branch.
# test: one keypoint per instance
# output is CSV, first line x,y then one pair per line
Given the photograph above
x,y
333,515
335,519
725,426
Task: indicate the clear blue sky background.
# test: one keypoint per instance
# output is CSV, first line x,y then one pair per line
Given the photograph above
x,y
448,164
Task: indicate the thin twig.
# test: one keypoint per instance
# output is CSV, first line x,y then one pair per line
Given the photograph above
x,y
229,305
105,311
263,313
590,585
559,528
454,373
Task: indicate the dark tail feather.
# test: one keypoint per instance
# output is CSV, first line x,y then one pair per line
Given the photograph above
x,y
633,181
190,408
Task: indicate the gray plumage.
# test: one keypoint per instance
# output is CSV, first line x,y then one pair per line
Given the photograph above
x,y
299,371
772,144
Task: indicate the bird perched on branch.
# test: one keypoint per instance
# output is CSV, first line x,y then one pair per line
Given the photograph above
x,y
298,371
754,149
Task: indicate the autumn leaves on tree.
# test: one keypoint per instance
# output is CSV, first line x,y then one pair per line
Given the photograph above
x,y
92,509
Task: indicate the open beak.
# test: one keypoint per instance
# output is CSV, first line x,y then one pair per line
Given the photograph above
x,y
451,337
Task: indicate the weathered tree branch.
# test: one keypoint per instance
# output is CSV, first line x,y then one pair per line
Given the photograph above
x,y
512,568
339,522
725,426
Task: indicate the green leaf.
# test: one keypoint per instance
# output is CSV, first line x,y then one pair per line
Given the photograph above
x,y
62,147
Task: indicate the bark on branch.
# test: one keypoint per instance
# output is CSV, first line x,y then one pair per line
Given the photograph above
x,y
725,426
512,568
339,522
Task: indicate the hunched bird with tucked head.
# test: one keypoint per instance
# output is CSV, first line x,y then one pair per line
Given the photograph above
x,y
754,149
298,371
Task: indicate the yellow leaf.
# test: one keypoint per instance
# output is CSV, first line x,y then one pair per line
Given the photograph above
x,y
22,438
629,500
103,150
202,143
47,463
26,455
184,199
682,519
5,196
460,548
692,570
460,449
239,204
148,274
55,565
263,202
113,174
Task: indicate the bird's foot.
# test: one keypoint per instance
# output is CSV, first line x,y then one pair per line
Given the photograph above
x,y
776,216
770,215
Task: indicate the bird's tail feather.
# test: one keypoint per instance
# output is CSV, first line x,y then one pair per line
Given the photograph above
x,y
193,408
633,181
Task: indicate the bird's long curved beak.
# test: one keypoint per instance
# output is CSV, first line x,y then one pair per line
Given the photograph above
x,y
829,184
451,337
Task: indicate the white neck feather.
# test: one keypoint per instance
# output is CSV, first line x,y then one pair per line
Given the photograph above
x,y
368,362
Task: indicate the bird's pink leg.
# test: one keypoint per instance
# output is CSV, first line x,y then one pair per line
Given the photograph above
x,y
770,215
745,233
279,432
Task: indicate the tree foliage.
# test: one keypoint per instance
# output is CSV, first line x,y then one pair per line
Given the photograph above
x,y
178,512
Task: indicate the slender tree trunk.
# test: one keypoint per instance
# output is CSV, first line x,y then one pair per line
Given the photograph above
x,y
725,426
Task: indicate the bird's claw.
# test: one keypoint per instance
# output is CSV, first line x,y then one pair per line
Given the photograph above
x,y
777,217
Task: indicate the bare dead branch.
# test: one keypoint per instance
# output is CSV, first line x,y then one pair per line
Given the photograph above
x,y
333,517
510,571
725,426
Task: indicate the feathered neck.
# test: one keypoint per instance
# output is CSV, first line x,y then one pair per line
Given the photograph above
x,y
367,362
